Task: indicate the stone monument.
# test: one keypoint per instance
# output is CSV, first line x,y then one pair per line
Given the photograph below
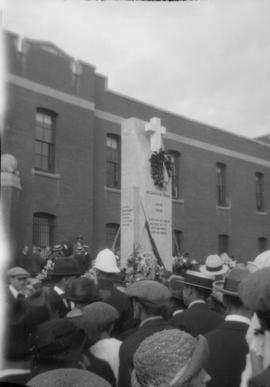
x,y
144,203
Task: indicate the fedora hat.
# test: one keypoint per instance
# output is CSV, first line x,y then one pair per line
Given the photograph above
x,y
214,266
82,290
66,266
198,279
230,285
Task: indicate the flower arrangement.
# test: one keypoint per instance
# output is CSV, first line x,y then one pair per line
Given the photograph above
x,y
143,265
161,168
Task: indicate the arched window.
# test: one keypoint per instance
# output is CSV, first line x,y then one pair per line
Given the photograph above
x,y
113,236
175,159
262,244
45,121
177,243
223,244
259,181
113,161
43,229
221,184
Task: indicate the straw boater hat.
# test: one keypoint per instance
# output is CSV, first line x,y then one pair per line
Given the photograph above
x,y
198,279
63,377
230,285
214,266
170,357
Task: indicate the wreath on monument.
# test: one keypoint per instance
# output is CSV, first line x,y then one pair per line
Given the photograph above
x,y
161,168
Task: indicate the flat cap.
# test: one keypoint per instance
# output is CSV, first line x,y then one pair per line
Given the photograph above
x,y
100,315
255,290
149,292
18,272
64,377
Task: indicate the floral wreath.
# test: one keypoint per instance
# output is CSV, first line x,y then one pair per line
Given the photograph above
x,y
161,165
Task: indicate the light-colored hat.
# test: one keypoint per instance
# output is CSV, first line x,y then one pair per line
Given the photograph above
x,y
68,377
214,266
255,290
262,260
149,292
106,262
18,272
230,285
198,279
170,357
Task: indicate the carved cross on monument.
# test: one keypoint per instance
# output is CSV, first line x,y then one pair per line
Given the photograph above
x,y
156,133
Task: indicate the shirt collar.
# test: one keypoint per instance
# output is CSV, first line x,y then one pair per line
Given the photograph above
x,y
150,319
238,318
13,291
177,311
58,290
196,302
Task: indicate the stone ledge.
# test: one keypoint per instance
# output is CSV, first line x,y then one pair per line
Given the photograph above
x,y
178,201
109,189
263,213
46,174
224,208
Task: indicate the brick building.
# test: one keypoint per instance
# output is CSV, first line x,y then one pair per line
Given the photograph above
x,y
63,125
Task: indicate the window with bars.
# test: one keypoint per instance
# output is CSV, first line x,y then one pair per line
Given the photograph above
x,y
43,229
175,159
262,244
259,181
223,244
113,161
177,243
44,140
112,236
221,184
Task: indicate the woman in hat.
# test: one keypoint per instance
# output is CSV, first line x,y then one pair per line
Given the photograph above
x,y
171,358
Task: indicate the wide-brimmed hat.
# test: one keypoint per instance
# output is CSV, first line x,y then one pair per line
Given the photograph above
x,y
82,290
18,272
68,377
149,292
254,291
176,285
198,279
66,266
214,266
230,285
262,260
106,262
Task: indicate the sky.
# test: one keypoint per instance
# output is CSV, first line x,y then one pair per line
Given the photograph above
x,y
208,60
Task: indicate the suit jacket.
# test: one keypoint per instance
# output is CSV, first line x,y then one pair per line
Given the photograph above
x,y
198,319
131,344
228,349
56,303
261,380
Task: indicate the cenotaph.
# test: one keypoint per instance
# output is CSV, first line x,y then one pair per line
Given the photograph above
x,y
146,207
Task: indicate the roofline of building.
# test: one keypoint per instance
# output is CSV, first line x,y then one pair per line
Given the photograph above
x,y
122,95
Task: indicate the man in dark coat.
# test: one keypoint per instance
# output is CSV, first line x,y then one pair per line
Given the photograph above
x,y
150,300
107,269
65,270
227,343
197,318
254,292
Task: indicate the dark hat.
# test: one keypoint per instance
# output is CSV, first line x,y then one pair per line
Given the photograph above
x,y
255,290
198,280
66,266
68,377
59,339
149,292
82,290
230,285
176,286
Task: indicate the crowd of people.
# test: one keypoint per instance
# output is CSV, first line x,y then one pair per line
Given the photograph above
x,y
76,321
